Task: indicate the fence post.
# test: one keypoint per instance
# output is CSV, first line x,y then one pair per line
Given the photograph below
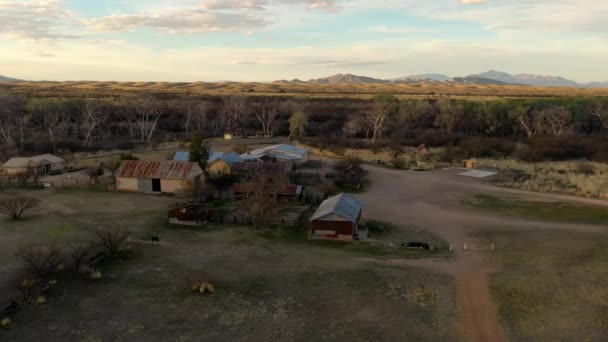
x,y
465,246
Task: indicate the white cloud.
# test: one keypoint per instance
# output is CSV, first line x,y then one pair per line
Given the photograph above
x,y
210,16
28,20
399,29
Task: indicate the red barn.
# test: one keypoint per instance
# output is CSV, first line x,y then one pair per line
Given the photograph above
x,y
337,218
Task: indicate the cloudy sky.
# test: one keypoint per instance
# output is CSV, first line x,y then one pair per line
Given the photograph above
x,y
265,40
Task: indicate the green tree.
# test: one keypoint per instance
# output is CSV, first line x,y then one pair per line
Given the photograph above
x,y
199,151
298,122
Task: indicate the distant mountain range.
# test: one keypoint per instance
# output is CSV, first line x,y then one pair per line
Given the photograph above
x,y
491,77
8,79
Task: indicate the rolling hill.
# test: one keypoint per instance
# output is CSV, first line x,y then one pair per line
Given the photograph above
x,y
537,80
8,79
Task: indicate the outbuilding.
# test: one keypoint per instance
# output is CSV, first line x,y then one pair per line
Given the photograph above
x,y
283,153
337,218
158,176
39,165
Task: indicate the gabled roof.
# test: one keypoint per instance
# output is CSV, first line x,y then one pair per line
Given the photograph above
x,y
345,206
282,151
158,169
44,159
229,158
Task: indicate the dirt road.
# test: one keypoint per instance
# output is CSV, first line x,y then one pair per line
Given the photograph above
x,y
433,200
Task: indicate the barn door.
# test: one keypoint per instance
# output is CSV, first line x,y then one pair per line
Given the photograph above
x,y
156,185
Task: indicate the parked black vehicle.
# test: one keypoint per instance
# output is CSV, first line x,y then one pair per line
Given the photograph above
x,y
421,245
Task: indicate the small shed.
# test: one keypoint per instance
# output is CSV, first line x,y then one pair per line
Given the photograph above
x,y
39,165
337,218
470,163
230,136
158,176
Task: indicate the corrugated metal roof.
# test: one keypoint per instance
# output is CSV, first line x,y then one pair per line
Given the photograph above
x,y
343,205
158,169
213,156
249,157
229,158
44,159
282,151
181,156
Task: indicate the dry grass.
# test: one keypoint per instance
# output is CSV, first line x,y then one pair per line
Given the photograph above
x,y
551,285
580,178
101,89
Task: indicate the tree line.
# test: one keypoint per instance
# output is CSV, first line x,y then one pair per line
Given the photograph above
x,y
56,124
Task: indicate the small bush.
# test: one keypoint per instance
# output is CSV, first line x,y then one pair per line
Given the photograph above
x,y
113,240
41,260
16,206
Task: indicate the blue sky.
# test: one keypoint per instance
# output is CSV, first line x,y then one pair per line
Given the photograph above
x,y
265,40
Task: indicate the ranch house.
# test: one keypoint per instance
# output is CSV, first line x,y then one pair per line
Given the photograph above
x,y
159,176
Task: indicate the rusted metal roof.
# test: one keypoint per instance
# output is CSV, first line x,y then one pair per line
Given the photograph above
x,y
158,169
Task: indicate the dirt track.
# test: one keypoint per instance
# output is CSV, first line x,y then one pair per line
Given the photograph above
x,y
432,200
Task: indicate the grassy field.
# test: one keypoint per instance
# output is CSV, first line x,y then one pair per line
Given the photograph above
x,y
107,89
540,211
269,284
551,285
580,178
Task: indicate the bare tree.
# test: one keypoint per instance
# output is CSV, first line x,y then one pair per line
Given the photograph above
x,y
94,114
527,118
148,110
49,115
556,119
12,114
16,206
298,122
234,111
261,202
41,260
599,109
385,106
265,112
113,240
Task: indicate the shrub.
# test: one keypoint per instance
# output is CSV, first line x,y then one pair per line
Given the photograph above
x,y
113,240
41,260
79,252
378,227
16,206
400,163
127,156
